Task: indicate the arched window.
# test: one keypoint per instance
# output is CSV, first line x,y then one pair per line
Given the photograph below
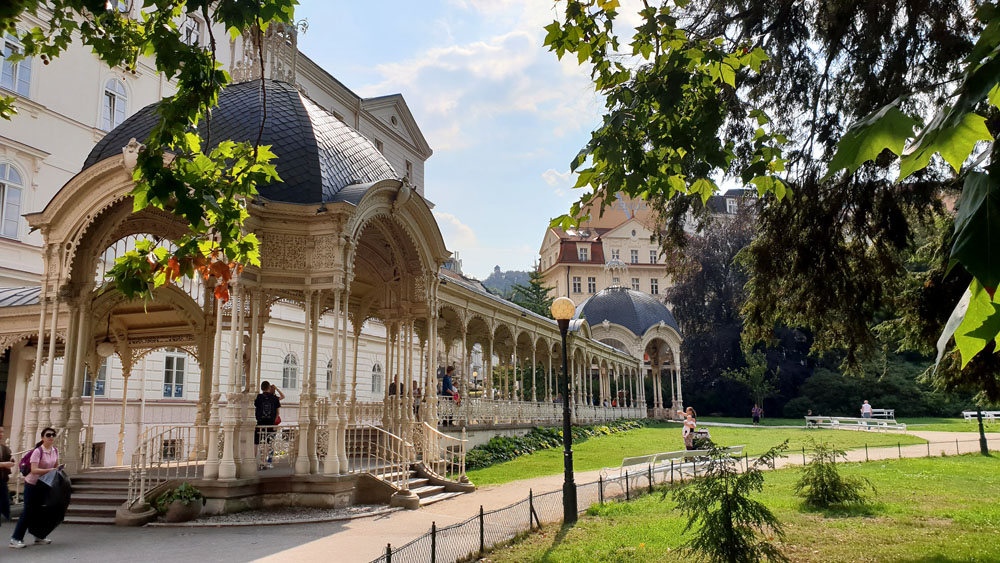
x,y
376,378
11,188
14,76
115,104
290,372
329,374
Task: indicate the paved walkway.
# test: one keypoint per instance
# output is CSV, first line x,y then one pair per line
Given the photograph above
x,y
358,540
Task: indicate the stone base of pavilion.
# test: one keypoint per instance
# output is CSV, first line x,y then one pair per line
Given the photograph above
x,y
275,488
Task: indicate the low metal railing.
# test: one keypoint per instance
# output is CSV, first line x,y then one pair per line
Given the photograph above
x,y
381,454
176,452
277,445
440,453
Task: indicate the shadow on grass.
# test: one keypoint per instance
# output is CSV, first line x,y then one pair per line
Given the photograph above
x,y
853,510
557,541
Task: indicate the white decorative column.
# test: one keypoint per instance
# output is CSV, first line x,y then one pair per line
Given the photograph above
x,y
342,412
212,440
227,466
302,458
331,465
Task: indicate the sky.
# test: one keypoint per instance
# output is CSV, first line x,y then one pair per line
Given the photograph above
x,y
503,115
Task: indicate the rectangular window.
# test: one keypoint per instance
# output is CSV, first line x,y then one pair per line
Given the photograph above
x,y
171,449
615,254
409,171
591,285
379,146
584,254
616,281
576,284
14,76
102,378
652,256
191,34
635,256
731,206
173,375
654,286
10,210
635,284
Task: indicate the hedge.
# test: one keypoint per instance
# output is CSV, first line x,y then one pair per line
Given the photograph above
x,y
505,448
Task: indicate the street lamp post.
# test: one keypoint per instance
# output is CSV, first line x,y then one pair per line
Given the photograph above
x,y
563,310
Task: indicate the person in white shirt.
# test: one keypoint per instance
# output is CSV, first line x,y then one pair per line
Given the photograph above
x,y
866,410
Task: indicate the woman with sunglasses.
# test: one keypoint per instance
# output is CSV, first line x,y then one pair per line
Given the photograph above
x,y
44,458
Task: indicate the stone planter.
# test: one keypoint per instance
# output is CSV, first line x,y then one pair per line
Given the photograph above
x,y
177,511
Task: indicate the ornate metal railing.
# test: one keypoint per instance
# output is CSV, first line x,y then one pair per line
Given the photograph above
x,y
442,454
380,453
277,445
165,453
368,413
486,412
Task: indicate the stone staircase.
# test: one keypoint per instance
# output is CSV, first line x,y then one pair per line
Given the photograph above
x,y
428,493
96,497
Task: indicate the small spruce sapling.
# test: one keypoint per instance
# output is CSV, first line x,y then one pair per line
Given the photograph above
x,y
822,485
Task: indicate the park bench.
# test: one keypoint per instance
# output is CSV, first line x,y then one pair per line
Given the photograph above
x,y
989,417
852,423
638,467
887,414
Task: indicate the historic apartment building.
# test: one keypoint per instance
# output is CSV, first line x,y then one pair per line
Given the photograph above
x,y
46,144
575,263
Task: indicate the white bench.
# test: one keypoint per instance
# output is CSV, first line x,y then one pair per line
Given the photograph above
x,y
639,467
852,423
988,416
888,414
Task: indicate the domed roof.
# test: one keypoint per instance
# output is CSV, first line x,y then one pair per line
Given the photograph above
x,y
631,309
317,154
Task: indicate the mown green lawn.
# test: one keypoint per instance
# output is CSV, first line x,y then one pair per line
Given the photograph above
x,y
940,509
765,421
608,451
946,425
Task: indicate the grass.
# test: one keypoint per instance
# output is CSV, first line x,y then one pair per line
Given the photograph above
x,y
608,451
926,510
764,421
912,423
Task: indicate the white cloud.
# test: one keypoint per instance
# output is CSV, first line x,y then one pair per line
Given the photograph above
x,y
456,233
557,179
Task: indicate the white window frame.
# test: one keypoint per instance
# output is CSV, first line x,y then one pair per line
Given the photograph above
x,y
191,30
732,206
591,284
114,104
172,374
101,390
635,284
653,254
654,286
583,254
377,377
577,284
615,253
11,184
19,72
634,256
290,371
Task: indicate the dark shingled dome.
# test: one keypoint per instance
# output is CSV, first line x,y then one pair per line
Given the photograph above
x,y
631,309
318,155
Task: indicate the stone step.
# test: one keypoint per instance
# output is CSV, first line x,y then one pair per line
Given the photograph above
x,y
80,510
91,520
101,487
424,501
92,498
427,490
417,482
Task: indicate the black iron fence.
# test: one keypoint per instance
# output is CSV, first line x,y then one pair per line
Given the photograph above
x,y
489,528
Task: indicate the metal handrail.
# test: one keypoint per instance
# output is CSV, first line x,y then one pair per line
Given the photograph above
x,y
177,452
381,454
440,453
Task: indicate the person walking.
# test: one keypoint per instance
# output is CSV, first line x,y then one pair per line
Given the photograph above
x,y
756,412
6,464
44,458
866,410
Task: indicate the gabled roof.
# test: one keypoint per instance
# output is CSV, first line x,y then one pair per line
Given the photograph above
x,y
397,102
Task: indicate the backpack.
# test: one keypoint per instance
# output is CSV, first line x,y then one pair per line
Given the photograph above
x,y
25,464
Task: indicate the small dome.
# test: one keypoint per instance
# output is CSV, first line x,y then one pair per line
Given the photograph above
x,y
317,154
631,309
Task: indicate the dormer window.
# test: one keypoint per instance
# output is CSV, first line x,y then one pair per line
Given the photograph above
x,y
583,254
731,206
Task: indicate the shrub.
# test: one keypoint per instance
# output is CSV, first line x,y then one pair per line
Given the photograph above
x,y
822,485
505,448
730,526
185,493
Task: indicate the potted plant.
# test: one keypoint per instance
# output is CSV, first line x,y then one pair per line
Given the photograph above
x,y
181,504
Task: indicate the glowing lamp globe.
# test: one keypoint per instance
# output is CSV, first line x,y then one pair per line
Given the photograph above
x,y
563,309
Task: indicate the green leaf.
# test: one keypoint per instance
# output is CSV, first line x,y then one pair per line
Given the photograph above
x,y
994,95
757,56
977,228
953,142
957,315
703,187
980,325
887,128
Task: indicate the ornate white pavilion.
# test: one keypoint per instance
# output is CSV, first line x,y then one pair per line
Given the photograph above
x,y
348,243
